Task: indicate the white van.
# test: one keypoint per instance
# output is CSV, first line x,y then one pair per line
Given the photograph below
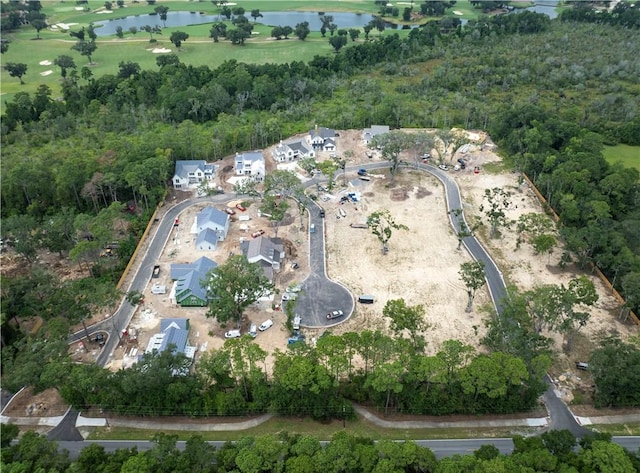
x,y
253,330
265,325
296,322
233,334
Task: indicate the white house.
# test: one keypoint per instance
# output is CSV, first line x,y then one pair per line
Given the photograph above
x,y
207,240
323,139
268,252
213,220
370,133
291,150
189,174
250,163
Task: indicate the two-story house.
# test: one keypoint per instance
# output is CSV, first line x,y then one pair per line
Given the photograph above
x,y
268,252
213,220
189,174
323,139
250,164
287,151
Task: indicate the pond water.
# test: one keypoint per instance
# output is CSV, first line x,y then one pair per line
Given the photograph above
x,y
548,7
289,18
184,18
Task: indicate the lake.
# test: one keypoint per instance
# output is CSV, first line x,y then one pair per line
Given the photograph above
x,y
182,18
289,18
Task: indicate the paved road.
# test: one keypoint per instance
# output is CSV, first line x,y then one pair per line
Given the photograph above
x,y
320,294
441,448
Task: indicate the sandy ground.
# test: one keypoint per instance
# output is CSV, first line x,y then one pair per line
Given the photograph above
x,y
421,266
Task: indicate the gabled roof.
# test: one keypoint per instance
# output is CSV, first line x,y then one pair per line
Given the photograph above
x,y
182,324
375,130
322,132
263,248
299,145
174,336
202,265
213,215
250,156
207,236
190,285
183,168
172,332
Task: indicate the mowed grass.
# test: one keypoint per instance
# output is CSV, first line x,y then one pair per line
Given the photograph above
x,y
625,154
321,431
198,50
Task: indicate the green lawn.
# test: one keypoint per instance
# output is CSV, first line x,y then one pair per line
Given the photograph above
x,y
625,154
198,50
322,431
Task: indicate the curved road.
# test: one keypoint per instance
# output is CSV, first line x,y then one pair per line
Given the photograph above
x,y
320,295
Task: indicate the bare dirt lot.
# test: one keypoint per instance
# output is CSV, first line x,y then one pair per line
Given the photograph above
x,y
421,267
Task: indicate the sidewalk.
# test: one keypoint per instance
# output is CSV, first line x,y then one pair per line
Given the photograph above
x,y
216,426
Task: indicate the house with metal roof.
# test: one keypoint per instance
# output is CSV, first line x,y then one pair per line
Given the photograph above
x,y
188,290
173,336
369,134
268,252
213,219
207,240
190,173
287,151
250,164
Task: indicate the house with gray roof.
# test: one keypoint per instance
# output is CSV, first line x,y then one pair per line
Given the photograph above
x,y
268,252
188,290
369,134
287,151
250,164
323,139
212,219
207,240
190,173
173,333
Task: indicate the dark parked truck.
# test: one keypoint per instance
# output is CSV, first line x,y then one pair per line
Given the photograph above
x,y
156,271
365,299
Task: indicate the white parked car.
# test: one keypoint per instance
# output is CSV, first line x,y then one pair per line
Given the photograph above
x,y
444,167
334,314
265,325
288,296
232,334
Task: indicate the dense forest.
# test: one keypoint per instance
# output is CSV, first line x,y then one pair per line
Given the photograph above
x,y
555,451
84,173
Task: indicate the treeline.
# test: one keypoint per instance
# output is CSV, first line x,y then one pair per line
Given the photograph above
x,y
80,174
624,14
597,203
367,367
554,451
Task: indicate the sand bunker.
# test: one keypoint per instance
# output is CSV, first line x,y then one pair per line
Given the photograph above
x,y
46,73
46,62
160,50
63,26
104,11
456,12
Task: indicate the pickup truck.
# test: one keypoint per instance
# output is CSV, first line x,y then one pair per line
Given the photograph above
x,y
156,271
